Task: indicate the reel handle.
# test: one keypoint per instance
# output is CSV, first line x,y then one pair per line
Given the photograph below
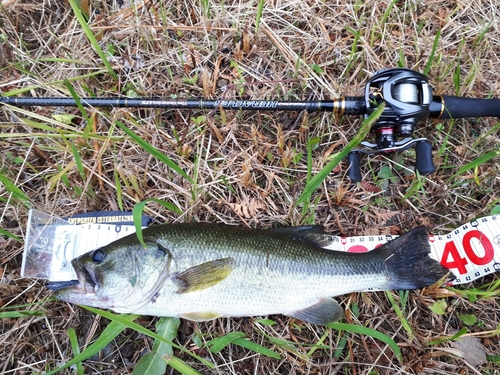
x,y
353,166
424,163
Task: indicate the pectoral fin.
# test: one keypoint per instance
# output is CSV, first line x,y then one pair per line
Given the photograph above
x,y
325,311
203,275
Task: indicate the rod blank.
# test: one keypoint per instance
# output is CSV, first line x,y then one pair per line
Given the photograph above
x,y
347,105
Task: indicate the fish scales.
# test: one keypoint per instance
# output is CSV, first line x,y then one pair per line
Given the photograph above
x,y
275,269
200,272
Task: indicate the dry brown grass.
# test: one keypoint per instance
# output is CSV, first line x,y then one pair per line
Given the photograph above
x,y
248,168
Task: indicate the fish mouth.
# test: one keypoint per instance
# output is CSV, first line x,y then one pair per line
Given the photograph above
x,y
58,285
86,283
89,277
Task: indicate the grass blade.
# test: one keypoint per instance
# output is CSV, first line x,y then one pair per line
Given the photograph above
x,y
205,5
342,343
137,327
55,82
153,151
368,332
320,177
440,340
246,343
219,343
152,363
354,48
6,233
109,334
456,76
90,35
76,349
78,160
20,314
118,187
402,318
258,16
433,52
319,344
138,210
493,130
239,338
77,100
45,122
179,365
14,190
477,162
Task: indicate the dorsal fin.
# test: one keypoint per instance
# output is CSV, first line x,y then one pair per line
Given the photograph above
x,y
314,234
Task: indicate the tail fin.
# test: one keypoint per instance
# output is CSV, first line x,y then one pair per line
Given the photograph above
x,y
408,262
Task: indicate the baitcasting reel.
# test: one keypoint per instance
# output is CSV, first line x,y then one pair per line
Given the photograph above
x,y
407,96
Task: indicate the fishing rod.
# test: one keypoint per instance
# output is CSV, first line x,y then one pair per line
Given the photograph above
x,y
406,93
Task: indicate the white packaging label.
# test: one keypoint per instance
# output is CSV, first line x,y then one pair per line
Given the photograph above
x,y
51,243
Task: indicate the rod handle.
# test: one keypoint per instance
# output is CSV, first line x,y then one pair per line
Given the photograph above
x,y
446,107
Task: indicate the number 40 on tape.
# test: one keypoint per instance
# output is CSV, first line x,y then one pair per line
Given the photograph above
x,y
471,251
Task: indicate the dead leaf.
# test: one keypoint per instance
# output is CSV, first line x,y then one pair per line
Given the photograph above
x,y
394,230
84,6
247,209
435,291
442,16
205,82
369,187
460,150
385,215
472,350
245,41
238,53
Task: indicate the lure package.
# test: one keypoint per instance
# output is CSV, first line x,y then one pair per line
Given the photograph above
x,y
51,242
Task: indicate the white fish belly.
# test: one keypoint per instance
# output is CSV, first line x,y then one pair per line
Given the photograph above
x,y
248,294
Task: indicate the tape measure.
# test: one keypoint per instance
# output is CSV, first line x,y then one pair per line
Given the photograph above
x,y
469,252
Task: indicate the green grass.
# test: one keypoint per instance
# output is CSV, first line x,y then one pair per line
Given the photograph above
x,y
316,180
76,349
368,332
153,362
239,338
112,330
14,191
258,16
399,309
91,37
125,320
152,150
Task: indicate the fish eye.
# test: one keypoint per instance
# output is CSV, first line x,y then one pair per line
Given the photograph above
x,y
98,256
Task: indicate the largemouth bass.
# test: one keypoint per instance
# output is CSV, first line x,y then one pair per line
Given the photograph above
x,y
204,271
